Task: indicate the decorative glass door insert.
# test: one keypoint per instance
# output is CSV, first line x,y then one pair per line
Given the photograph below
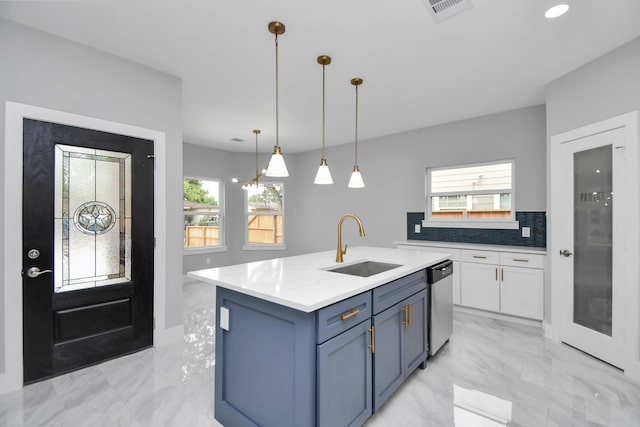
x,y
593,239
92,218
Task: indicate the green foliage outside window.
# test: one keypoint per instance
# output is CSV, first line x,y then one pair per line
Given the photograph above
x,y
194,192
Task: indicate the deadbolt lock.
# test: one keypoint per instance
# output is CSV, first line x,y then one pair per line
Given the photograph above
x,y
33,254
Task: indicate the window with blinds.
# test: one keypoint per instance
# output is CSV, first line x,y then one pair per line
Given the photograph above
x,y
482,192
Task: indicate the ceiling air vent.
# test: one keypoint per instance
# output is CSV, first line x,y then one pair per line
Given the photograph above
x,y
443,9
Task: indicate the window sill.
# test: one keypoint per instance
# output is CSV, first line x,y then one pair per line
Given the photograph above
x,y
487,224
264,247
204,250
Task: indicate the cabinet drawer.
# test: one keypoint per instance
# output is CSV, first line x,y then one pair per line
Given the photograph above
x,y
393,292
515,259
339,317
482,257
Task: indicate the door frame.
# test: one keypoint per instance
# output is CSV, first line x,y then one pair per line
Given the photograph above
x,y
631,274
12,378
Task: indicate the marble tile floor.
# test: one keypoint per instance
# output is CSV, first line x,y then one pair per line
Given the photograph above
x,y
491,373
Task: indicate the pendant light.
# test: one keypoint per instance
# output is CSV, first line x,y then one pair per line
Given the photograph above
x,y
323,176
256,178
277,167
356,177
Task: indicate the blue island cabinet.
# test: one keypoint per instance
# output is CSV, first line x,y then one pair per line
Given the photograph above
x,y
345,378
401,344
344,358
277,366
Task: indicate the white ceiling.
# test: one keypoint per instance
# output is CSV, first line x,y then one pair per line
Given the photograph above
x,y
417,72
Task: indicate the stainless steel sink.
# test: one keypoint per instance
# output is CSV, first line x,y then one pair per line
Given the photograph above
x,y
365,268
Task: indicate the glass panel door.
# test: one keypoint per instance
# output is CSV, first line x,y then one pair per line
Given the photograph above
x,y
87,245
588,256
593,238
92,218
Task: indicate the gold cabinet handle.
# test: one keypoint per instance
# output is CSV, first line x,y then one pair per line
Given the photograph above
x,y
479,257
496,274
405,322
372,329
407,316
349,314
520,260
502,274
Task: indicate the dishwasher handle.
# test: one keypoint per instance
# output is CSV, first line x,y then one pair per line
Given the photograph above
x,y
439,271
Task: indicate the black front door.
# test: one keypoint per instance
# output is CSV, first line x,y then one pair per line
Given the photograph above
x,y
87,233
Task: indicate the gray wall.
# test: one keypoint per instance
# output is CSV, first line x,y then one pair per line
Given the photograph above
x,y
213,163
604,88
393,168
51,72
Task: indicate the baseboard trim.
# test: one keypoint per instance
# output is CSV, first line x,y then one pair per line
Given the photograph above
x,y
550,331
498,316
10,382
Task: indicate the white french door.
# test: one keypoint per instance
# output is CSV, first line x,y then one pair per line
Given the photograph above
x,y
589,208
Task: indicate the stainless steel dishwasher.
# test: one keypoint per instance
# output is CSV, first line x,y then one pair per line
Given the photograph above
x,y
440,280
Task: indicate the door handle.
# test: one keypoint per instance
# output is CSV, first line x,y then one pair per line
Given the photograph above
x,y
566,253
34,272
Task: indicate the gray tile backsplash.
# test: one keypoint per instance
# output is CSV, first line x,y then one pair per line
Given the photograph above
x,y
537,221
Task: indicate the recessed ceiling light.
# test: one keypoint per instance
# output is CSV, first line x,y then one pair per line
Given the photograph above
x,y
556,11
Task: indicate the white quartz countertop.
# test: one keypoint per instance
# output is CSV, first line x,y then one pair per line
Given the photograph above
x,y
473,246
302,282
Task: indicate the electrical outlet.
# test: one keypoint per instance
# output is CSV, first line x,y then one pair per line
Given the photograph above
x,y
526,231
224,318
417,228
207,260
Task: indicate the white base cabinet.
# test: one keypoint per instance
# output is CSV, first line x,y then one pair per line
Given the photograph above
x,y
521,292
504,282
480,287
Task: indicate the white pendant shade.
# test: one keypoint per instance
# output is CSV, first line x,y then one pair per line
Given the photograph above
x,y
277,168
356,180
323,176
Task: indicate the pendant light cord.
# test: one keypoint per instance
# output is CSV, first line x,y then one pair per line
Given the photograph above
x,y
277,100
323,110
356,125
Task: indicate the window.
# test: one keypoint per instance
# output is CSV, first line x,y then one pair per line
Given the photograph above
x,y
264,211
203,214
479,195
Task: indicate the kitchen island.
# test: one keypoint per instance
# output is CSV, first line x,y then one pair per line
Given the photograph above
x,y
300,345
